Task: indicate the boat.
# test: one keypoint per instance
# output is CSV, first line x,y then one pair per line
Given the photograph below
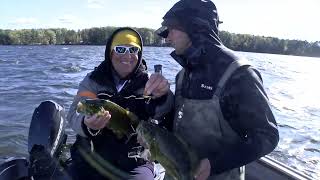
x,y
47,139
267,168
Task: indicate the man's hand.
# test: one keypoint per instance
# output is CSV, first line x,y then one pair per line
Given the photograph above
x,y
203,171
157,85
96,122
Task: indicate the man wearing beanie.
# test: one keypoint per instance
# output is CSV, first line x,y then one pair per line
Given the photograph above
x,y
99,154
221,108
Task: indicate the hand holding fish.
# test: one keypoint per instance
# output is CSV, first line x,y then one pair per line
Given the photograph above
x,y
97,122
101,113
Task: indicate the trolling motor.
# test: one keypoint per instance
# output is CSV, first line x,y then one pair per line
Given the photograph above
x,y
45,145
46,138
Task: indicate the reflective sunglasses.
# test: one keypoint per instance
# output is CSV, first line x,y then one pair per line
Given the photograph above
x,y
124,49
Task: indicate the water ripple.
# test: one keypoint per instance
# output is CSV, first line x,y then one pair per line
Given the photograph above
x,y
31,74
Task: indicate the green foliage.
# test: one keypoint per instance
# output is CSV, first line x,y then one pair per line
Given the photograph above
x,y
250,43
99,35
4,37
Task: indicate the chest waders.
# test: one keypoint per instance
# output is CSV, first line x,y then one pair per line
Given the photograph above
x,y
202,125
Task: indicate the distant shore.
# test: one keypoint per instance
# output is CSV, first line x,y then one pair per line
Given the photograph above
x,y
98,36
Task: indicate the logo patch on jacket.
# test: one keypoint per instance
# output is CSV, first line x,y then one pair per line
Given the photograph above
x,y
180,113
206,87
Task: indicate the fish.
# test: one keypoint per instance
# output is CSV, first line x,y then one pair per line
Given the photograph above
x,y
171,151
122,122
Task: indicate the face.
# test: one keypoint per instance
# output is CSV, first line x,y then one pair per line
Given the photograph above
x,y
125,63
179,40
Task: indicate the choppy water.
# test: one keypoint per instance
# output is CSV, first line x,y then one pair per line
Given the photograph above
x,y
31,74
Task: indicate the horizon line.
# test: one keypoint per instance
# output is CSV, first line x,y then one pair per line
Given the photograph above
x,y
79,29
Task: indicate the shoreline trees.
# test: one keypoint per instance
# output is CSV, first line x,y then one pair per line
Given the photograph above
x,y
98,36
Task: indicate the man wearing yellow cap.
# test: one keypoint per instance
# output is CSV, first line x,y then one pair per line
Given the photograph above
x,y
121,78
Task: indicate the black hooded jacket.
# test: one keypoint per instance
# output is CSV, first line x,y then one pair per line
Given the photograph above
x,y
244,102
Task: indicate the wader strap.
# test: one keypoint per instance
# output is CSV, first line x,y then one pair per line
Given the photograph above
x,y
179,80
227,74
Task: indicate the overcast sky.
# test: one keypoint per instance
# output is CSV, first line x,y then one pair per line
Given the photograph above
x,y
287,19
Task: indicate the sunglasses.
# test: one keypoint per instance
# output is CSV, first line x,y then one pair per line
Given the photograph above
x,y
124,49
163,31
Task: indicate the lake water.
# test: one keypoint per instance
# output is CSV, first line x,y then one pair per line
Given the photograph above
x,y
31,74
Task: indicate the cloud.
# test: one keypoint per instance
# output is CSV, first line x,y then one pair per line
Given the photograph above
x,y
25,21
95,4
68,19
65,21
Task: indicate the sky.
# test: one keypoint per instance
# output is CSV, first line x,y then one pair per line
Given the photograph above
x,y
285,19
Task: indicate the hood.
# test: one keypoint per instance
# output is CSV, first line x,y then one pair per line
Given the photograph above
x,y
198,18
102,73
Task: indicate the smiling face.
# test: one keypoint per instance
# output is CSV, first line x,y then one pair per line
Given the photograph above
x,y
125,63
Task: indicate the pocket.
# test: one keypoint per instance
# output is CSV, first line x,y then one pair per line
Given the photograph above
x,y
200,125
203,115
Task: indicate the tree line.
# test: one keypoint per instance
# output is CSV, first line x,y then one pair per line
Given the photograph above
x,y
98,36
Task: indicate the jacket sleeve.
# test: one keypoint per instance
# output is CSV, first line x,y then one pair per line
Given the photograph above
x,y
161,109
164,105
87,89
246,108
